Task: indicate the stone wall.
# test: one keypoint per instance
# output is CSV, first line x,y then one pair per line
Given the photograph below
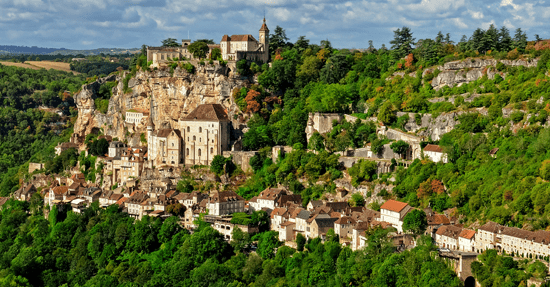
x,y
35,166
321,123
241,158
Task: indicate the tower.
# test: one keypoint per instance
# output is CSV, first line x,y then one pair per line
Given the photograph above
x,y
264,39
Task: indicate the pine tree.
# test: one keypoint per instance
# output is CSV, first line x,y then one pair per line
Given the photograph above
x,y
505,40
520,40
402,42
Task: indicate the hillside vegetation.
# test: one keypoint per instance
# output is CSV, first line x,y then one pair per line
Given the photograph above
x,y
510,188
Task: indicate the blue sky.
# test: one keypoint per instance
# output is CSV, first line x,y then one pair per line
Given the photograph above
x,y
87,24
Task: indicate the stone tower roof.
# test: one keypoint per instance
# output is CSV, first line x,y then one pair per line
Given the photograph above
x,y
264,27
208,112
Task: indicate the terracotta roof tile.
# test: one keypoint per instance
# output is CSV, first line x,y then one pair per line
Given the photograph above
x,y
394,205
208,112
466,233
433,148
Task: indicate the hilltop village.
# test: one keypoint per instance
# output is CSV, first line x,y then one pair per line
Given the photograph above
x,y
170,142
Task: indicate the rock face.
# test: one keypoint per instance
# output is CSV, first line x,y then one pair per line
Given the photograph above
x,y
457,73
168,96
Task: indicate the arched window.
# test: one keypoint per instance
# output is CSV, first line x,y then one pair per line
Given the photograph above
x,y
211,150
188,129
194,138
199,152
187,151
172,144
200,129
200,139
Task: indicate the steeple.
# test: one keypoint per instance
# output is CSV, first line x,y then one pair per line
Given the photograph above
x,y
264,27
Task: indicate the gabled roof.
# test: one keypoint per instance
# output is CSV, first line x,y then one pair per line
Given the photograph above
x,y
466,233
433,148
451,231
304,214
338,205
490,226
226,196
325,222
493,151
315,203
60,190
394,205
208,112
271,193
437,219
345,220
239,38
362,225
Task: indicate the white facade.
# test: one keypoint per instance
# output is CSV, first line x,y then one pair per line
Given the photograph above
x,y
135,117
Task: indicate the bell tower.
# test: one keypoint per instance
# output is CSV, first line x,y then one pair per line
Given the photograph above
x,y
264,39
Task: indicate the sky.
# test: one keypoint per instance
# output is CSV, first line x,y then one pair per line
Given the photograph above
x,y
89,24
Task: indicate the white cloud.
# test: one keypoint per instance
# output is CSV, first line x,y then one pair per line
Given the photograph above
x,y
476,14
459,23
282,14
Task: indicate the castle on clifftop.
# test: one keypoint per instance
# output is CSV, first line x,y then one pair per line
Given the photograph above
x,y
233,48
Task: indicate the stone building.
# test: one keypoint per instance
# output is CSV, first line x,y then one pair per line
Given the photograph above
x,y
163,55
201,135
237,47
226,202
134,116
206,133
321,123
393,212
435,153
115,148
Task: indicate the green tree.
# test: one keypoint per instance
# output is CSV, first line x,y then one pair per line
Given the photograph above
x,y
357,199
267,244
198,49
386,113
300,242
278,39
240,240
218,164
415,222
216,54
400,147
170,42
402,42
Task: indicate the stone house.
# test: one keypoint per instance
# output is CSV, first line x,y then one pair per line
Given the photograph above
x,y
486,236
135,202
338,206
393,212
358,235
447,237
344,227
115,148
164,147
435,153
434,221
25,192
287,231
466,240
314,204
35,166
225,202
267,199
321,123
278,216
320,226
237,47
56,193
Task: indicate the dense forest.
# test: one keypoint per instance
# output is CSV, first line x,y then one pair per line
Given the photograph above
x,y
27,132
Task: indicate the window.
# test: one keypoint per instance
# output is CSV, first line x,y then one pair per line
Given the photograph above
x,y
172,144
199,152
200,139
194,138
187,151
188,129
200,129
211,150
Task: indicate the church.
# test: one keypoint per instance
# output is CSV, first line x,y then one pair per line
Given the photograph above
x,y
201,135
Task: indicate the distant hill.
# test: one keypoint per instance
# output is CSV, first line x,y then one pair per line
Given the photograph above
x,y
28,50
10,49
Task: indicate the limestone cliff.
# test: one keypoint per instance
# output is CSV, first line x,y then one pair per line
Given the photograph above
x,y
170,96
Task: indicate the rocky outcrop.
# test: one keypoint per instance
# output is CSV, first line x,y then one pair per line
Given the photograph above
x,y
457,73
169,95
429,127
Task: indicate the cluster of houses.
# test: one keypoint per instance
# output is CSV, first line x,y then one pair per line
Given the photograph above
x,y
288,216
